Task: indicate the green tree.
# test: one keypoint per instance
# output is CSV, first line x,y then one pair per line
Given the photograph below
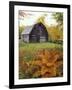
x,y
58,17
21,28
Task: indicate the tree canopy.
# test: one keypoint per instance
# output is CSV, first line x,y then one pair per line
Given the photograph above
x,y
58,17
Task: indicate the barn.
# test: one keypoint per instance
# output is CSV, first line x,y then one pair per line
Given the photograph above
x,y
35,33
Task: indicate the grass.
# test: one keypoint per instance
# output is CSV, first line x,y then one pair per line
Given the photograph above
x,y
37,46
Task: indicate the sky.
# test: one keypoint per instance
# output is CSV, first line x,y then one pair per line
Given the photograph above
x,y
28,18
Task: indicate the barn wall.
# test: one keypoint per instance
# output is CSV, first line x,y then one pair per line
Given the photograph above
x,y
42,39
25,38
39,33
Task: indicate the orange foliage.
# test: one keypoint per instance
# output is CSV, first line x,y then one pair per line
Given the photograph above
x,y
48,63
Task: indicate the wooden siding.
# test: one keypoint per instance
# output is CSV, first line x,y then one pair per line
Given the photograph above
x,y
37,34
25,38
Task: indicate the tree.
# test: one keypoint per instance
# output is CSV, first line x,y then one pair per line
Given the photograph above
x,y
58,17
42,18
21,28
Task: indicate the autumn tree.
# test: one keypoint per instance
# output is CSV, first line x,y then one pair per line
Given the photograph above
x,y
59,18
42,19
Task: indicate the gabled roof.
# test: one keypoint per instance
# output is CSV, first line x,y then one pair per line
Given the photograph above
x,y
27,30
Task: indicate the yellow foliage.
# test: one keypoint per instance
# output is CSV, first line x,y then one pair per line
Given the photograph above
x,y
55,33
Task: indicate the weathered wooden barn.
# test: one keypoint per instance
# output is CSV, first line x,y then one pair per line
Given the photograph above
x,y
35,33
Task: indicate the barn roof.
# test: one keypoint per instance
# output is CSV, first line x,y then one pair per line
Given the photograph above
x,y
27,30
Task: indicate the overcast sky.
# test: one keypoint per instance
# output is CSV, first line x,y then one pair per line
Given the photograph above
x,y
29,18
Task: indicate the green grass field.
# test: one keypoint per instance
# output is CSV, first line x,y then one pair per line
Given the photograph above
x,y
37,46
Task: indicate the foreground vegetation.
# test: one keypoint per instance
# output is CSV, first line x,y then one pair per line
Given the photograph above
x,y
37,60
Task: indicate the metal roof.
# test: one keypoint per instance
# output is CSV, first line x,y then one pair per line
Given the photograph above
x,y
27,30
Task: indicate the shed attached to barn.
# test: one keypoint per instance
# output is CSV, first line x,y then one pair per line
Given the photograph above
x,y
35,33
